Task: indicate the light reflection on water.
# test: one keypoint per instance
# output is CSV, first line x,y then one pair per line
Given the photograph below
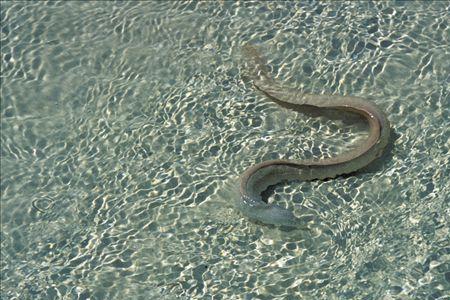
x,y
125,126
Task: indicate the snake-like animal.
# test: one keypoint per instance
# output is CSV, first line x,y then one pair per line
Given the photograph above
x,y
257,178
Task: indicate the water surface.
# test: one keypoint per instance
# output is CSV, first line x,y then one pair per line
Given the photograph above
x,y
125,126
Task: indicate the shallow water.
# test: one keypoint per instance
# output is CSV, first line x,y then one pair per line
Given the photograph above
x,y
125,126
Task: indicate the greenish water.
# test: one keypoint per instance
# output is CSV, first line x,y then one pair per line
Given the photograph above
x,y
125,126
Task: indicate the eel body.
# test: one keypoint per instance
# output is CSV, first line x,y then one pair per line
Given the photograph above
x,y
259,177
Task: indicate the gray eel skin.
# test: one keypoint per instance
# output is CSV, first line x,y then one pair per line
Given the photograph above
x,y
259,177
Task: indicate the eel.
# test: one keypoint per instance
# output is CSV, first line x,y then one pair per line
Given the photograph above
x,y
257,178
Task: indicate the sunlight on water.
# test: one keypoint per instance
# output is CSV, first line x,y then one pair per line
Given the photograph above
x,y
126,125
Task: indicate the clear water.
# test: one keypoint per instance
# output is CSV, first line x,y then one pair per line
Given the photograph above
x,y
125,126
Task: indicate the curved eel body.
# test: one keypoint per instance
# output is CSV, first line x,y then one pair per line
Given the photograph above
x,y
259,177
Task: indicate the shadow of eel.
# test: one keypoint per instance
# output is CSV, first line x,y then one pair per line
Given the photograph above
x,y
257,178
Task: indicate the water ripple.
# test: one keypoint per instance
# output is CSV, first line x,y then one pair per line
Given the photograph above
x,y
125,126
